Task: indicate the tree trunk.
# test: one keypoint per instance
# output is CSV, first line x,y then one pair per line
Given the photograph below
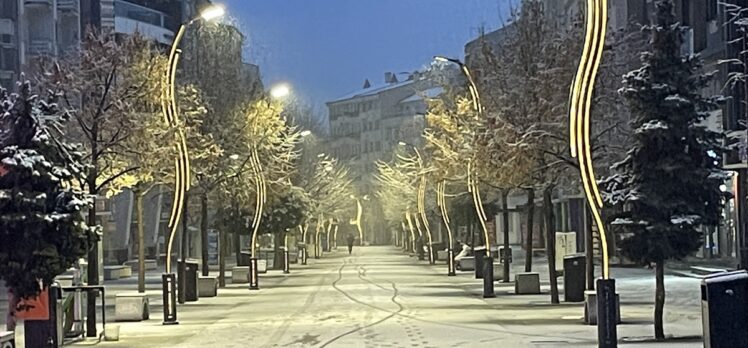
x,y
183,250
222,258
205,270
550,241
659,299
505,225
141,241
588,251
278,251
530,222
93,250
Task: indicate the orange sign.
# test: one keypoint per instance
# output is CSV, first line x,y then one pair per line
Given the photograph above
x,y
34,309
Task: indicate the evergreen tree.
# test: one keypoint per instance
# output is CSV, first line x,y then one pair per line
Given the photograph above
x,y
42,232
669,182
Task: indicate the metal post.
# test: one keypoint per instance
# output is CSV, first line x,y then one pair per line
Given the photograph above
x,y
253,276
607,313
168,282
285,261
451,262
742,225
488,291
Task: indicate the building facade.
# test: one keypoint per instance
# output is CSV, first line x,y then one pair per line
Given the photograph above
x,y
368,124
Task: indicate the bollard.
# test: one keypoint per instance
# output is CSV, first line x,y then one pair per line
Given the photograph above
x,y
168,284
254,283
607,314
488,291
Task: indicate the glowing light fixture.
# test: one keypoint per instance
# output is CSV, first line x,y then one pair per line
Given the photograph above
x,y
305,133
280,91
579,114
212,12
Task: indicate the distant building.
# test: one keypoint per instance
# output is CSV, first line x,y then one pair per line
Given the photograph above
x,y
366,125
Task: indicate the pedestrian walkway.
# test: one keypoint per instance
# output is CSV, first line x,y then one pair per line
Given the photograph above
x,y
379,297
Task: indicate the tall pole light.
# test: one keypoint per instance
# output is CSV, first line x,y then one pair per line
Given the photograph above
x,y
182,163
421,199
359,216
276,92
473,185
582,89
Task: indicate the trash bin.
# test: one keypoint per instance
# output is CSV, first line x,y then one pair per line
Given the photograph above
x,y
574,277
723,310
479,252
189,270
243,258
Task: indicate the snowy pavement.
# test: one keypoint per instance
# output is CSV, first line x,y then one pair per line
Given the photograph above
x,y
381,298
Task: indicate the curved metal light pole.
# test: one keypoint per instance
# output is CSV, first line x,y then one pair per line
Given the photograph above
x,y
170,111
442,203
473,186
581,148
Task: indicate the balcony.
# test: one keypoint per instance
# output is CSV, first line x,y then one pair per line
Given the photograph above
x,y
38,2
70,6
40,47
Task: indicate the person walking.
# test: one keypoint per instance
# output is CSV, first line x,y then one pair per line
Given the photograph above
x,y
350,239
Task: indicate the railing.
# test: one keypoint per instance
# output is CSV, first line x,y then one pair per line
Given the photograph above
x,y
38,2
67,5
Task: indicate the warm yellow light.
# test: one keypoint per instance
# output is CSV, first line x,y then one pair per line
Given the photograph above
x,y
402,143
280,91
579,113
212,12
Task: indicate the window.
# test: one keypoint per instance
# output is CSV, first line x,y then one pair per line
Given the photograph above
x,y
711,9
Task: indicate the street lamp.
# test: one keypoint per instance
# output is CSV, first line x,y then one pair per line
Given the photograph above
x,y
359,215
305,133
182,173
280,91
422,199
474,188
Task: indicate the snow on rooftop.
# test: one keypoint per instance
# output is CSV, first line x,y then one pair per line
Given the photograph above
x,y
373,90
430,93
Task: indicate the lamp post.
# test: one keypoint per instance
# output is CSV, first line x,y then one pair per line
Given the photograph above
x,y
182,173
276,92
359,216
487,272
422,200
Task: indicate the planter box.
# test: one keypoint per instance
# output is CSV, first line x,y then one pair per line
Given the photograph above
x,y
527,283
115,272
466,263
207,286
590,307
131,307
240,275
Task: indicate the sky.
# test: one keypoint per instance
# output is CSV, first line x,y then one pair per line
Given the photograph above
x,y
327,48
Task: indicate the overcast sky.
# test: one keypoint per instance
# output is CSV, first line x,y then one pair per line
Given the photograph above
x,y
326,48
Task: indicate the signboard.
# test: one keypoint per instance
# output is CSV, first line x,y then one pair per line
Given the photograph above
x,y
34,309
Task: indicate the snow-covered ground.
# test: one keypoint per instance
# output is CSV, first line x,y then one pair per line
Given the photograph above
x,y
382,298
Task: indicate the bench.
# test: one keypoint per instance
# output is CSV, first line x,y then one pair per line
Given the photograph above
x,y
590,307
116,272
131,307
466,263
240,275
207,286
150,265
527,283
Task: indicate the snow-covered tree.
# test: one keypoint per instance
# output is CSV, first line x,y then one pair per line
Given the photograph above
x,y
669,182
42,231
